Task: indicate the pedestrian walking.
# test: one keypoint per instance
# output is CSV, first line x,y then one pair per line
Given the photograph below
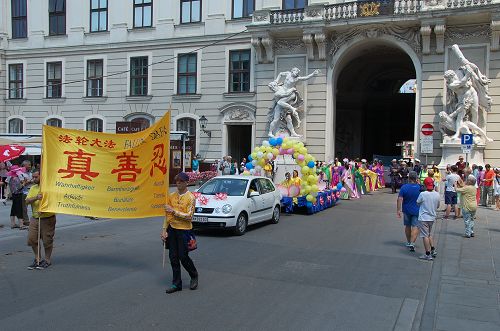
x,y
450,194
469,203
407,205
177,228
428,202
195,164
27,180
16,191
496,188
487,196
42,227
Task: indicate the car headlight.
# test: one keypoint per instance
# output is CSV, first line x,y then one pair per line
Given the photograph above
x,y
226,209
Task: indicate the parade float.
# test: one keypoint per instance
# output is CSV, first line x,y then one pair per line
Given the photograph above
x,y
304,194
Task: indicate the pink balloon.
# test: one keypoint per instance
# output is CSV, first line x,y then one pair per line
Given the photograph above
x,y
282,151
290,151
301,157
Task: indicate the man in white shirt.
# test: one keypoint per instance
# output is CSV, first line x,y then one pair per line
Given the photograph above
x,y
428,202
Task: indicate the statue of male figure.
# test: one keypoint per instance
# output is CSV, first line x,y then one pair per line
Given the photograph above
x,y
287,99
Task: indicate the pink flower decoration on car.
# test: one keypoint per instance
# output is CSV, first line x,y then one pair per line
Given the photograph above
x,y
203,200
221,196
321,201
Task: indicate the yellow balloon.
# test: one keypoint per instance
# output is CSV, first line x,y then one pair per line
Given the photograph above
x,y
305,170
275,151
315,188
300,143
262,162
295,155
254,156
309,198
311,179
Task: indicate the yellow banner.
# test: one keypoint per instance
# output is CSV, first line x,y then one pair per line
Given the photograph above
x,y
106,175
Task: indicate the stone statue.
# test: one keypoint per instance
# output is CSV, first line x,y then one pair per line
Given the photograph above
x,y
286,101
467,102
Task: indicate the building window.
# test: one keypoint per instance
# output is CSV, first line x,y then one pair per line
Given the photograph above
x,y
95,80
94,124
186,73
57,17
54,122
187,124
19,19
15,81
143,13
190,11
139,75
143,122
54,79
239,71
243,8
16,125
98,15
294,4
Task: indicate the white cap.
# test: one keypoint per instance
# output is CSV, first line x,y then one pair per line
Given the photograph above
x,y
417,160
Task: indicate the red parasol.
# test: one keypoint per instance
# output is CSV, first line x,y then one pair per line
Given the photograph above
x,y
10,152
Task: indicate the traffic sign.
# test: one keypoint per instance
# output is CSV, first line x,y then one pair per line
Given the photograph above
x,y
468,139
466,149
426,144
427,129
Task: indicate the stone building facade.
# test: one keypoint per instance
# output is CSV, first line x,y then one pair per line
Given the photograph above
x,y
213,60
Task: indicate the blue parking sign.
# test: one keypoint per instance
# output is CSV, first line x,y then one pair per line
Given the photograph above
x,y
468,139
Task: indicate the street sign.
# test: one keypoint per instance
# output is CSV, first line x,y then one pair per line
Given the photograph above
x,y
427,129
426,144
466,149
468,139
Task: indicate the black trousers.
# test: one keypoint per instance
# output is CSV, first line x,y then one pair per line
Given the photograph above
x,y
179,253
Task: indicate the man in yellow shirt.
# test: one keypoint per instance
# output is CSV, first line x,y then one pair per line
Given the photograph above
x,y
177,225
46,222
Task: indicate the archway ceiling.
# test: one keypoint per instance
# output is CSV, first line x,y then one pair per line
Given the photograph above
x,y
379,69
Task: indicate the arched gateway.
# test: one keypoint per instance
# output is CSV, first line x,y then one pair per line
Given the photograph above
x,y
367,113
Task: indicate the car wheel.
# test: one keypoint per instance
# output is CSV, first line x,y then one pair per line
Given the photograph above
x,y
276,215
241,224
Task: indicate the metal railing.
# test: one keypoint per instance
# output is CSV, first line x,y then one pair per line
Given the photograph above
x,y
356,9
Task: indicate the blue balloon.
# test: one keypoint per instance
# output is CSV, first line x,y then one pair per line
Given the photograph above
x,y
311,164
250,158
249,166
279,141
339,186
309,204
273,142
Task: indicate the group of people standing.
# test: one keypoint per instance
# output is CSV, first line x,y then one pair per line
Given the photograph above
x,y
399,172
464,189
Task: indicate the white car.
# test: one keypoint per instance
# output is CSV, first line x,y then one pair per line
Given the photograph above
x,y
235,202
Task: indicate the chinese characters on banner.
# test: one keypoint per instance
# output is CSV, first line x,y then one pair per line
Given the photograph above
x,y
106,175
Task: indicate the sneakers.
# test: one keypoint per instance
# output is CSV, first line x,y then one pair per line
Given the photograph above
x,y
411,247
408,244
472,234
173,289
43,265
426,257
434,253
193,285
33,265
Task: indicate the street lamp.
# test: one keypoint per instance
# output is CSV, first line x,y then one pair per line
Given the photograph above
x,y
203,125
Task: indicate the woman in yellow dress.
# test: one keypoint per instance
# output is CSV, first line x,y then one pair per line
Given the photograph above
x,y
296,179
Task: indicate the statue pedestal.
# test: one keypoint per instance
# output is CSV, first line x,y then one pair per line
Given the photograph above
x,y
451,152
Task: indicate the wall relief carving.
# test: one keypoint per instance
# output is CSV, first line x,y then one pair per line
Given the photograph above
x,y
410,35
289,45
457,34
235,112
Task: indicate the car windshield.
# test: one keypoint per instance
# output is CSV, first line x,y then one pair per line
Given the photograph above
x,y
230,186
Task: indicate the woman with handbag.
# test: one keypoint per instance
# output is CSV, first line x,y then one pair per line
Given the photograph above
x,y
177,231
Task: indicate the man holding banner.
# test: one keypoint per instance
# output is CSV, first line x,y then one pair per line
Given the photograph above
x,y
180,209
42,226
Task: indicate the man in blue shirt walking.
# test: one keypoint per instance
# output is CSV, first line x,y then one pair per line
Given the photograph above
x,y
407,205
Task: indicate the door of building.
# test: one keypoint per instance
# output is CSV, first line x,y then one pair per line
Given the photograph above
x,y
239,139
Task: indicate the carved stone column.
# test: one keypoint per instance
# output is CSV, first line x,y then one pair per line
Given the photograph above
x,y
267,42
258,49
495,35
308,39
425,31
439,30
320,38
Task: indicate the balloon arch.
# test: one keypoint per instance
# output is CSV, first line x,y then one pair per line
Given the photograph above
x,y
259,161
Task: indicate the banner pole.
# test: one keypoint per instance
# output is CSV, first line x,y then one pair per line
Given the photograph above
x,y
38,241
164,248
